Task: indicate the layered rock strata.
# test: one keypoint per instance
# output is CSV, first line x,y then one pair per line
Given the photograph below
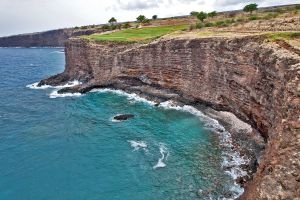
x,y
54,38
259,82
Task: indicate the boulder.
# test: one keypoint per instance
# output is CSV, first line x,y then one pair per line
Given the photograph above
x,y
123,117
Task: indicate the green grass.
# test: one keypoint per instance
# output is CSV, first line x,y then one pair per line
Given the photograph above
x,y
283,36
136,35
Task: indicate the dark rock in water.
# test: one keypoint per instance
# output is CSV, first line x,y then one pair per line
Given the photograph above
x,y
123,117
157,104
240,180
59,79
228,194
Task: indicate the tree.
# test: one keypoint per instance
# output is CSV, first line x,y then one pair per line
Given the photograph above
x,y
112,20
212,14
201,16
250,8
141,19
194,13
154,17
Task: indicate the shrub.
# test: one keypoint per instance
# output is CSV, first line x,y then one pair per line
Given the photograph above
x,y
126,25
297,7
84,27
240,19
279,10
192,27
146,21
252,18
105,27
270,16
231,14
229,21
290,8
199,25
119,26
113,27
76,27
208,24
220,23
154,17
194,13
212,14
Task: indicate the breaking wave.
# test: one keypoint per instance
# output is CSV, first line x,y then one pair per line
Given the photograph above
x,y
164,156
130,97
54,94
37,87
136,145
232,160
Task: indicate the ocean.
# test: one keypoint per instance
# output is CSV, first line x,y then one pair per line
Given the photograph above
x,y
69,147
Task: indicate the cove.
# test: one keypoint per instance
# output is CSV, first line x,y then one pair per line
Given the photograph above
x,y
70,148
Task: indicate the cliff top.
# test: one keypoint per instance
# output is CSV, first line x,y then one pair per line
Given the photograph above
x,y
279,23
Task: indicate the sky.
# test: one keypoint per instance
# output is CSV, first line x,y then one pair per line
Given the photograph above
x,y
26,16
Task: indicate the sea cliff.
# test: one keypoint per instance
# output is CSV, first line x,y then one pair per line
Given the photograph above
x,y
53,38
258,81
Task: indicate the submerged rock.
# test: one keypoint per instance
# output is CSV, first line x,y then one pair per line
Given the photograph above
x,y
123,117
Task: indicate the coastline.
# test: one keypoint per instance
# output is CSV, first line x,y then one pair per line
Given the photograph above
x,y
238,161
255,80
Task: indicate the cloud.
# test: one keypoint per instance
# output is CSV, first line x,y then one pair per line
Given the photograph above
x,y
139,4
21,16
234,2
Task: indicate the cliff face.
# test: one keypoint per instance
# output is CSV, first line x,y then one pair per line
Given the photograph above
x,y
54,38
258,82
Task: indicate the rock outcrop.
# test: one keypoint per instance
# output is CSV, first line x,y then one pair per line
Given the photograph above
x,y
257,81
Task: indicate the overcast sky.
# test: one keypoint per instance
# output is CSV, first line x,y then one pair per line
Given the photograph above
x,y
24,16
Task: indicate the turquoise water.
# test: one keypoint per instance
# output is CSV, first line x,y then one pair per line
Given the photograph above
x,y
69,148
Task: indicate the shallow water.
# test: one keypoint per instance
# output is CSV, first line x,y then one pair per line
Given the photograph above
x,y
70,148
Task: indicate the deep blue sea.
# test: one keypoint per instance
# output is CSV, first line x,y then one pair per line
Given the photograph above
x,y
70,148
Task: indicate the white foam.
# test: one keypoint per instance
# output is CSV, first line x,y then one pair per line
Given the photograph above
x,y
69,84
138,144
60,52
36,87
233,164
130,96
232,160
54,94
164,156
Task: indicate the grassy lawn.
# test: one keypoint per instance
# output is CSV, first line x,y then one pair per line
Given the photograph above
x,y
136,34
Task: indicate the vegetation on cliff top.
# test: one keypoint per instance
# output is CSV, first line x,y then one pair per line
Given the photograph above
x,y
282,36
136,35
145,30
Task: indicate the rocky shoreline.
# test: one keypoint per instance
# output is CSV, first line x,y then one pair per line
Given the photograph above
x,y
247,142
257,82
